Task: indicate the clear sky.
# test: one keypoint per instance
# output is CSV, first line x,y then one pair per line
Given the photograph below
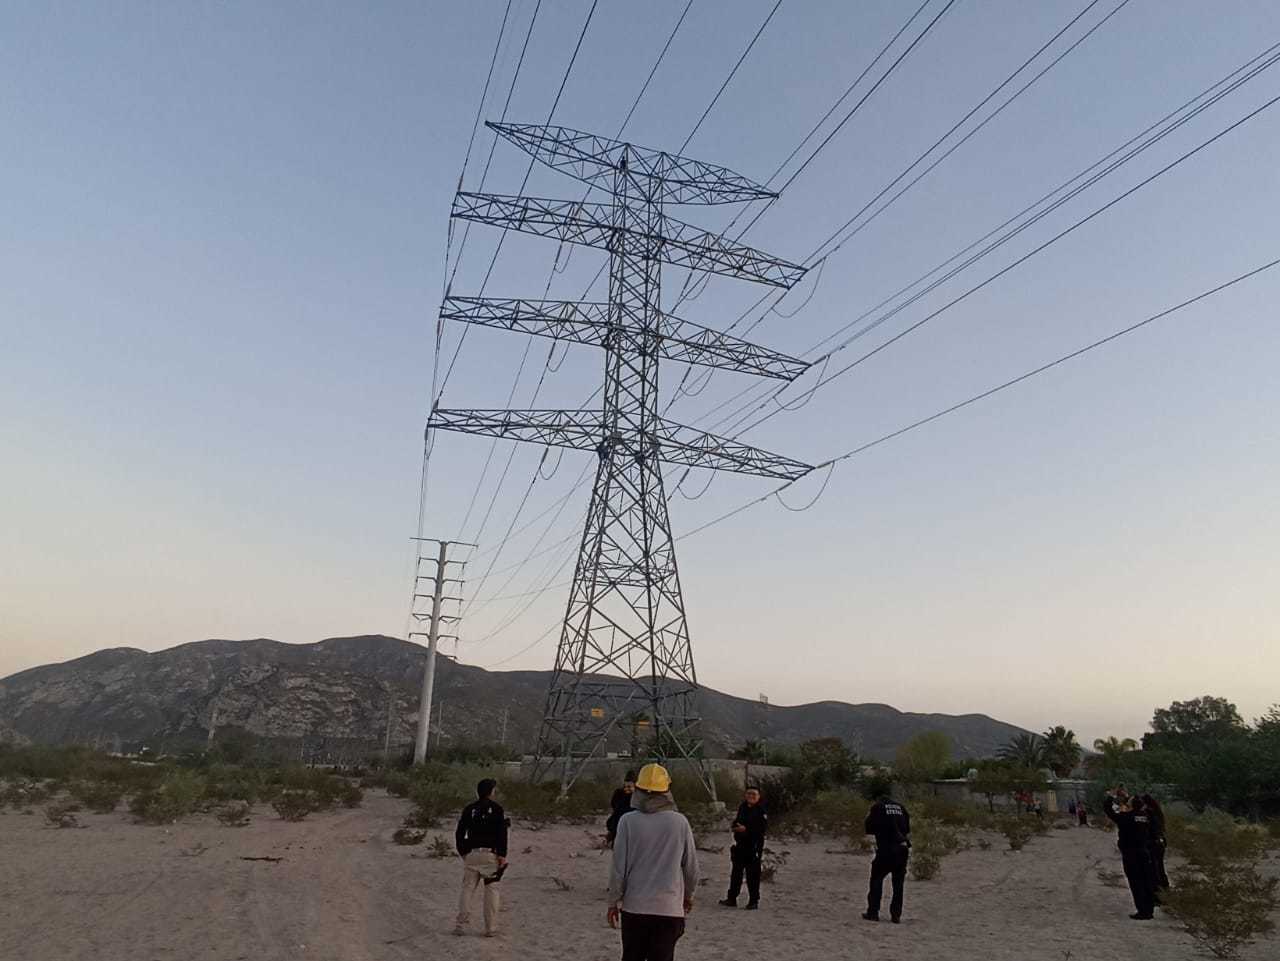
x,y
222,254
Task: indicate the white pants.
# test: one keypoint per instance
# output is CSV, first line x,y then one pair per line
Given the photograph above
x,y
476,866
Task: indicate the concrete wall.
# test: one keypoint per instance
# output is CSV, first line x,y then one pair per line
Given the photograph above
x,y
612,770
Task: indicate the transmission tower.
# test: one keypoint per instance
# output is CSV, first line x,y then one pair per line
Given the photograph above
x,y
624,649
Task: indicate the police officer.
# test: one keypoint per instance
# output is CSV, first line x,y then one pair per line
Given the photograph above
x,y
1156,845
481,839
619,805
749,829
1133,824
891,824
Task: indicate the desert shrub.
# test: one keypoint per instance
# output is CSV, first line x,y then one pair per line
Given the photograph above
x,y
440,848
984,844
293,805
1018,830
178,795
931,841
62,815
234,815
1224,906
23,792
1214,837
408,836
99,797
431,803
772,862
925,865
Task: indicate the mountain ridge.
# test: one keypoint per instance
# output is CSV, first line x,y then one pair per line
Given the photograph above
x,y
341,693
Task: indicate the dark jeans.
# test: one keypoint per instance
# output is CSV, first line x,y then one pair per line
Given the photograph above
x,y
746,862
1137,868
893,863
650,937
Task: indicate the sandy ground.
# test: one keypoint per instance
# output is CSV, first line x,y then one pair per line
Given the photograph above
x,y
343,891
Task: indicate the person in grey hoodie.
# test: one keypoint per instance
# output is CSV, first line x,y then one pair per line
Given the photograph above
x,y
654,871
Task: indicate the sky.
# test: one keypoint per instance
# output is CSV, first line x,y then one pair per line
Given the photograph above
x,y
224,251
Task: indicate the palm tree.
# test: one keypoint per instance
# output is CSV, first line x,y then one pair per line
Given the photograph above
x,y
1113,749
1062,751
1024,750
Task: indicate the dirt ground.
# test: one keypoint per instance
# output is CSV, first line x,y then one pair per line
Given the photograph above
x,y
342,890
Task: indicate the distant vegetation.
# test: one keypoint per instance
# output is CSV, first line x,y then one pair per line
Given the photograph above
x,y
162,791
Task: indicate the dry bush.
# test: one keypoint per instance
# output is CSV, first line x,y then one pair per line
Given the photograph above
x,y
1223,905
931,841
234,815
296,805
770,864
1214,837
100,797
409,836
62,815
440,848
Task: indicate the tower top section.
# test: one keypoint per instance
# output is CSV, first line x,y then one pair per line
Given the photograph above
x,y
597,160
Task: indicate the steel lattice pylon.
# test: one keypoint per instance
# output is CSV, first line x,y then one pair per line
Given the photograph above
x,y
624,655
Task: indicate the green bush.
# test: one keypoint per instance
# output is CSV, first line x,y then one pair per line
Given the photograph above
x,y
1017,829
178,795
1223,905
1214,837
440,848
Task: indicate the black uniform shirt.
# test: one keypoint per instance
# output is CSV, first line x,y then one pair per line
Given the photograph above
x,y
756,821
619,805
483,825
1133,827
891,824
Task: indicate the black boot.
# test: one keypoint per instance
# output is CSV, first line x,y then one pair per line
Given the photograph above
x,y
868,916
729,903
753,905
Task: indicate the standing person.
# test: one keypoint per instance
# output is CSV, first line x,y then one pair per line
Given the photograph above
x,y
654,873
749,829
481,839
891,824
1134,828
1082,813
620,804
1156,845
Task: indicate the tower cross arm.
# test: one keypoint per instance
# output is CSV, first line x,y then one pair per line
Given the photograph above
x,y
596,160
586,430
588,323
591,225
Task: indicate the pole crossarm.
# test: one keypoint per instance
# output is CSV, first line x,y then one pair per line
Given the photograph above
x,y
596,160
593,225
588,323
586,430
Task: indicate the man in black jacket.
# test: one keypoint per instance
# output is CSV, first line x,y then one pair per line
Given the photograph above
x,y
891,824
1133,825
749,829
481,840
620,804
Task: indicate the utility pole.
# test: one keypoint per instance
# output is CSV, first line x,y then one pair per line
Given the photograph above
x,y
625,641
502,738
386,738
433,620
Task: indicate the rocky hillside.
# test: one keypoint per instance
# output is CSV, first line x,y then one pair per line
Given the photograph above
x,y
336,696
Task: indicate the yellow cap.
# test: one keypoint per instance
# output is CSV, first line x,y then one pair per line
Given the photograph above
x,y
654,777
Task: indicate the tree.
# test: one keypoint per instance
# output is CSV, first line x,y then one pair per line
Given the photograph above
x,y
1113,749
752,750
1188,724
1006,779
1062,751
923,757
828,763
1025,750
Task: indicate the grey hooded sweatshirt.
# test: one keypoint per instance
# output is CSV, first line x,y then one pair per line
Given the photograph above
x,y
655,866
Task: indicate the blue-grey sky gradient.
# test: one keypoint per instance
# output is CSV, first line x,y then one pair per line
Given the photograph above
x,y
224,242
